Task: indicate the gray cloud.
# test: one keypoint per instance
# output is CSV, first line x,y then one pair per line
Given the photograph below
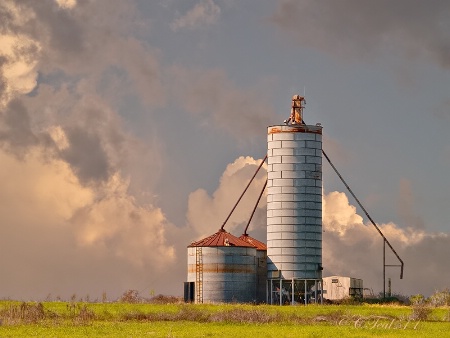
x,y
86,164
79,45
407,206
86,155
16,125
62,27
81,162
442,110
218,103
86,41
16,134
361,29
204,13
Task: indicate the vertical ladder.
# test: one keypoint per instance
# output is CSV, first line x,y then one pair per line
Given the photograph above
x,y
199,275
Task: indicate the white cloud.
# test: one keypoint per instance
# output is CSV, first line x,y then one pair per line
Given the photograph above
x,y
32,187
116,223
67,4
206,214
71,167
204,13
46,214
19,54
73,171
18,60
352,248
59,137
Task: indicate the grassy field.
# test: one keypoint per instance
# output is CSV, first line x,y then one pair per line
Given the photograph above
x,y
79,319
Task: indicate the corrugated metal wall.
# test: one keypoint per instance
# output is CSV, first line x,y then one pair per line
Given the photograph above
x,y
229,273
261,278
294,201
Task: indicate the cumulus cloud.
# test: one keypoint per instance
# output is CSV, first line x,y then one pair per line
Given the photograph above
x,y
75,93
18,55
104,223
79,182
204,13
74,175
81,40
71,213
115,222
16,132
354,248
66,3
206,213
360,29
42,185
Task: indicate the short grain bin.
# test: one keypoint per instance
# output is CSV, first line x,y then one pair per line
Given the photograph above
x,y
261,268
222,268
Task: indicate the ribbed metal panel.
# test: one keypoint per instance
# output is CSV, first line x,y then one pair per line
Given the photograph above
x,y
229,273
294,201
261,278
261,269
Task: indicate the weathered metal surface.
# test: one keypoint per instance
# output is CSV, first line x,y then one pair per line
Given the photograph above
x,y
221,238
254,242
223,268
294,201
261,275
300,128
261,266
229,273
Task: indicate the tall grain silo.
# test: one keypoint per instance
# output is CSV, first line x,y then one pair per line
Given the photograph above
x,y
221,268
294,210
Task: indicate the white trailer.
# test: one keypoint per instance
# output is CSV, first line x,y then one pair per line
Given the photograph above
x,y
341,287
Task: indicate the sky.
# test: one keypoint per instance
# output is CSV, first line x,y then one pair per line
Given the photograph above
x,y
128,130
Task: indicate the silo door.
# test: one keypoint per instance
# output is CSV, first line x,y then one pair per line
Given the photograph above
x,y
189,292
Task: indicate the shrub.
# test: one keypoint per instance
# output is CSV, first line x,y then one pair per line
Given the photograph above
x,y
420,311
440,298
80,313
417,299
130,296
24,313
161,299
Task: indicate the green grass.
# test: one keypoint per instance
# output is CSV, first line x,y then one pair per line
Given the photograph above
x,y
193,329
78,319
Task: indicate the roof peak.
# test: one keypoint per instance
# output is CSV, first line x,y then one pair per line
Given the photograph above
x,y
219,239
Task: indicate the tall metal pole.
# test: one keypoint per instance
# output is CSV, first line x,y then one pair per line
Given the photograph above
x,y
281,292
384,268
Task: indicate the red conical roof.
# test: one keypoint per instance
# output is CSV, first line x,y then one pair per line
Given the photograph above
x,y
254,242
221,238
